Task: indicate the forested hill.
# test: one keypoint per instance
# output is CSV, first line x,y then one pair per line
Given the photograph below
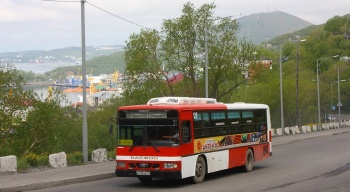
x,y
105,64
262,27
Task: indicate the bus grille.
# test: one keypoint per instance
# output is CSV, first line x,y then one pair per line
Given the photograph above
x,y
143,165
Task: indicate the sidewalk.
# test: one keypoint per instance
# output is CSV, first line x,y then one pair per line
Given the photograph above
x,y
56,177
91,172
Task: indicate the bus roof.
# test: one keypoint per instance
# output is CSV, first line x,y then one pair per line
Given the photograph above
x,y
191,103
180,100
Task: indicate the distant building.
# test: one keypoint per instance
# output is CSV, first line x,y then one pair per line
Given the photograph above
x,y
263,63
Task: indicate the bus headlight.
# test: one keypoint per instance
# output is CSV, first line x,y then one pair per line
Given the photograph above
x,y
120,164
170,165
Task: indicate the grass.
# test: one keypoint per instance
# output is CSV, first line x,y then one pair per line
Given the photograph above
x,y
75,158
22,165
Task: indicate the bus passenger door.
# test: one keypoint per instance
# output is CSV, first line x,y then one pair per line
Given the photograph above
x,y
186,138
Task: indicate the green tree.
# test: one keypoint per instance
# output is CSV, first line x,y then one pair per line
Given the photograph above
x,y
14,102
47,127
335,25
153,57
99,136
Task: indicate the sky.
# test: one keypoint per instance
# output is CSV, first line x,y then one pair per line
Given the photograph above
x,y
51,24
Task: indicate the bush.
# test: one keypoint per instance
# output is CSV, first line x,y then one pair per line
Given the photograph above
x,y
22,165
32,159
75,158
111,154
43,159
90,154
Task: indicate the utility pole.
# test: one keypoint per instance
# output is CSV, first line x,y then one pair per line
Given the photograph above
x,y
206,59
281,91
83,57
297,119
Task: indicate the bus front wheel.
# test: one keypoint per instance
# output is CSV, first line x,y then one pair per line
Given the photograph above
x,y
200,170
249,161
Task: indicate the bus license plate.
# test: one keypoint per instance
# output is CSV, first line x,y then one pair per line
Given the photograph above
x,y
143,173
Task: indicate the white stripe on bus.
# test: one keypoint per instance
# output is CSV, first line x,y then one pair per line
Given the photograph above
x,y
147,158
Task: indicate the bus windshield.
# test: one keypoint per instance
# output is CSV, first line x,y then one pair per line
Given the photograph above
x,y
148,132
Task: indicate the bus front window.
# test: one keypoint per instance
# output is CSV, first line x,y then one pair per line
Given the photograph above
x,y
156,134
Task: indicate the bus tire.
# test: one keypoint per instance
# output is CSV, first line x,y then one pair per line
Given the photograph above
x,y
145,179
249,161
200,170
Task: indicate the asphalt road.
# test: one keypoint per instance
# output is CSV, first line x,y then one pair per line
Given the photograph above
x,y
315,164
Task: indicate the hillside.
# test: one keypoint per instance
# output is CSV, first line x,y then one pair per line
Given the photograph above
x,y
67,54
262,27
281,39
105,64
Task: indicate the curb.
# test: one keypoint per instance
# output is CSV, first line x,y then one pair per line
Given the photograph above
x,y
49,184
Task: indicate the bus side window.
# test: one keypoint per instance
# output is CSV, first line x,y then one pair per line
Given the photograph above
x,y
235,129
186,136
198,133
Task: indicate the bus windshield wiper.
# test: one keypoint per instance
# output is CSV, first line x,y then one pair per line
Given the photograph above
x,y
133,145
155,147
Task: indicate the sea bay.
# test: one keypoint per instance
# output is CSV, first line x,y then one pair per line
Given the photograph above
x,y
42,90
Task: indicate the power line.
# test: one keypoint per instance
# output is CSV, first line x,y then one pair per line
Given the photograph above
x,y
103,11
117,16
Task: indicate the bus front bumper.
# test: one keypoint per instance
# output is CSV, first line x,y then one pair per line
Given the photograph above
x,y
153,174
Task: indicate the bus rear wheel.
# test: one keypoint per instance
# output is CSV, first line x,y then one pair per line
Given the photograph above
x,y
249,161
200,170
145,179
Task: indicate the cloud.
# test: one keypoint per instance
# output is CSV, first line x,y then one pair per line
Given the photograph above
x,y
39,24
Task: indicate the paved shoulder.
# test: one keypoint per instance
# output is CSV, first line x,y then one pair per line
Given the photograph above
x,y
279,140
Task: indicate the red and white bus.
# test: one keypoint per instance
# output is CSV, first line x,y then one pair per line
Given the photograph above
x,y
186,137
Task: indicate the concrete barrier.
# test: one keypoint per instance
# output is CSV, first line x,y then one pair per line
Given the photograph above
x,y
303,129
287,130
279,131
99,155
308,129
8,164
347,123
58,160
293,130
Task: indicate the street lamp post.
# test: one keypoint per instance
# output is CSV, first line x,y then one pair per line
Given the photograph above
x,y
206,60
339,103
281,92
318,88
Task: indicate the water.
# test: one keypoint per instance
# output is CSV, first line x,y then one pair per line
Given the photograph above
x,y
41,68
42,90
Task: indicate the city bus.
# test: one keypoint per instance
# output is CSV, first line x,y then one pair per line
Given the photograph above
x,y
187,137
